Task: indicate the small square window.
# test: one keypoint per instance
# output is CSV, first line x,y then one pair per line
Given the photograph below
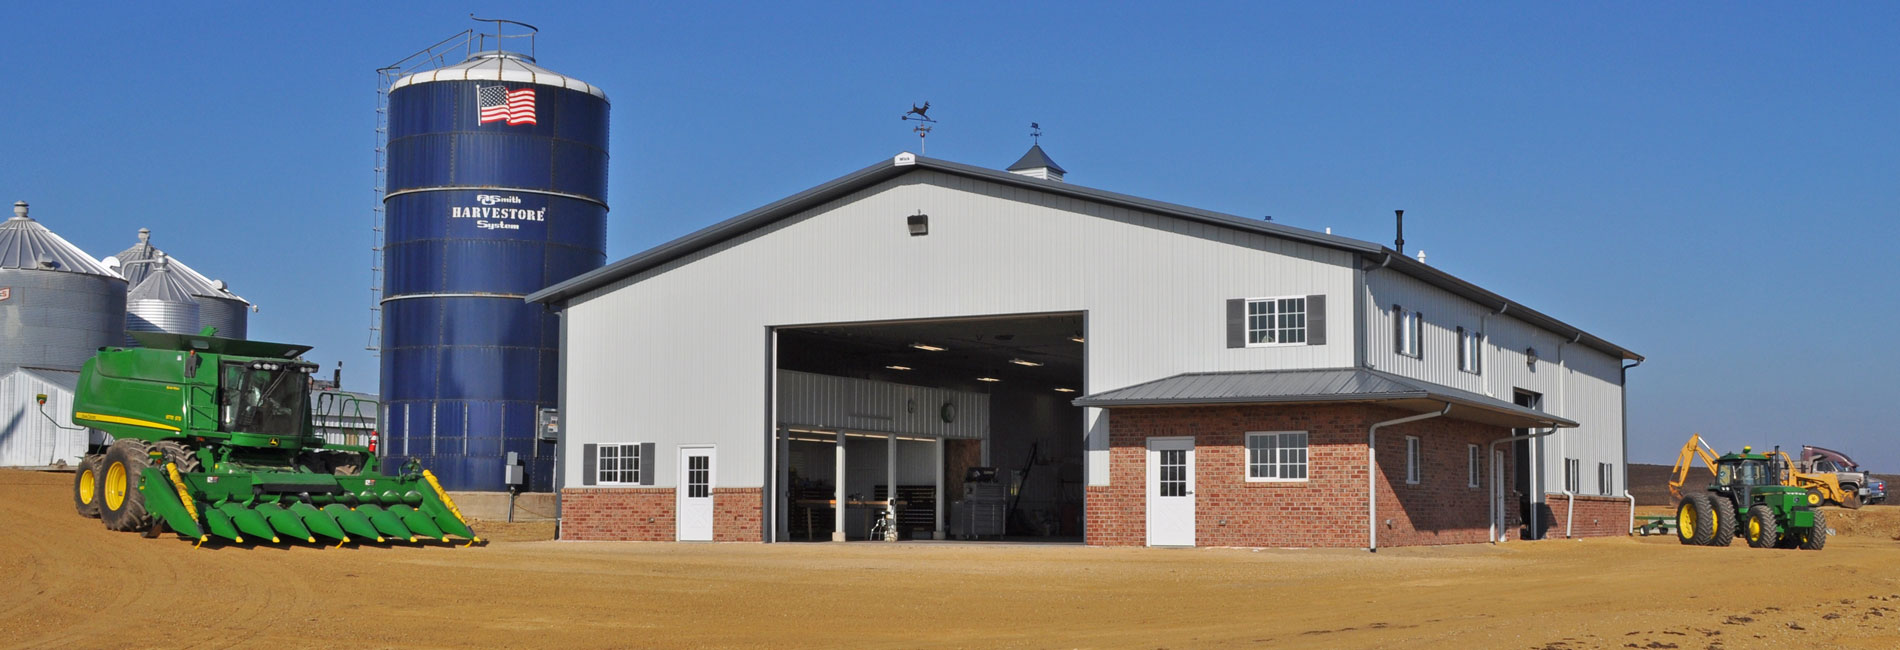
x,y
618,463
1276,321
1276,456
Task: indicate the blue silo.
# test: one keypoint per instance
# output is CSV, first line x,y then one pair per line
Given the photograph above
x,y
497,187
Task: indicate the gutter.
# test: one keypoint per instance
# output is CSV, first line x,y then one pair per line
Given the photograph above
x,y
1497,508
1372,473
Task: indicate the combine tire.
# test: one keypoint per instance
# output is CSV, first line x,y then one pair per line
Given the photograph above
x,y
86,487
1814,539
1694,520
177,454
1724,522
1762,532
122,504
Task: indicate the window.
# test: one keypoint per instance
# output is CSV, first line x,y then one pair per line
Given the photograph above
x,y
1573,482
1411,460
619,463
1606,479
1276,321
1276,456
1408,332
1470,351
1475,470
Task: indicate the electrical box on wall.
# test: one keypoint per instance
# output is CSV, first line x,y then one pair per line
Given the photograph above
x,y
548,425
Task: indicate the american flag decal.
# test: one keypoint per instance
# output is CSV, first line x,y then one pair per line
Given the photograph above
x,y
498,104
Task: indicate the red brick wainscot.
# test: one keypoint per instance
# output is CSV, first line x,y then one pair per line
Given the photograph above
x,y
1326,510
1596,516
646,514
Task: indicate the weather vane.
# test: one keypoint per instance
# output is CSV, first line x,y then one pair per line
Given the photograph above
x,y
921,114
1035,133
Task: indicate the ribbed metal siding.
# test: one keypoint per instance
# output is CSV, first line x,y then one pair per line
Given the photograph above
x,y
828,403
231,317
161,316
1154,290
465,362
31,440
58,320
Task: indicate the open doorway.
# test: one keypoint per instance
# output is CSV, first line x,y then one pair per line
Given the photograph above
x,y
969,418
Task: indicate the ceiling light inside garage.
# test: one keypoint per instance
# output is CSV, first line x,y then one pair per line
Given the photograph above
x,y
898,367
1024,362
928,347
989,379
1065,390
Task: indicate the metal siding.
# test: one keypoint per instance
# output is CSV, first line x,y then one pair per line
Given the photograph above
x,y
829,403
58,320
476,368
1155,290
27,438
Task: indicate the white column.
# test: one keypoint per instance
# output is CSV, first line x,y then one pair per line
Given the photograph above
x,y
890,472
941,531
837,532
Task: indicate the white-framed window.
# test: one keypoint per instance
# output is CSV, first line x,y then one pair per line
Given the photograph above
x,y
618,463
1573,479
1412,460
1475,472
1606,479
1276,321
1276,456
1470,351
1408,332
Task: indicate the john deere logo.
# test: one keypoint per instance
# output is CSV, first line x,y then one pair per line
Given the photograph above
x,y
273,442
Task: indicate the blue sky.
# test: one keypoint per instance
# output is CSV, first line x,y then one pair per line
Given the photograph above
x,y
1713,186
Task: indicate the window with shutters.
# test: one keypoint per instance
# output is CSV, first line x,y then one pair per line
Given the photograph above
x,y
1276,456
1408,332
1412,461
1276,321
1470,351
618,464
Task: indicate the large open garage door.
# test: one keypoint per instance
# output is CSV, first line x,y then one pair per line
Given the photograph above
x,y
965,423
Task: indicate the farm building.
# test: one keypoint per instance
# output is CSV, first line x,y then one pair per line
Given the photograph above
x,y
1005,353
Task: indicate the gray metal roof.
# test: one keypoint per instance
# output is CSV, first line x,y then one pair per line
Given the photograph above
x,y
195,283
67,379
1318,386
499,66
163,283
1374,255
25,244
1036,158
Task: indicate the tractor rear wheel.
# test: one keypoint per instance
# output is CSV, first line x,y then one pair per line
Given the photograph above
x,y
1762,532
1814,539
1694,520
86,487
122,504
1724,521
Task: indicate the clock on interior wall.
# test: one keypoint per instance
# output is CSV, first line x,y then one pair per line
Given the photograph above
x,y
948,412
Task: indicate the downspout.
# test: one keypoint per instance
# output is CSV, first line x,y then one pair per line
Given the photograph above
x,y
1623,393
1372,473
1563,407
1497,508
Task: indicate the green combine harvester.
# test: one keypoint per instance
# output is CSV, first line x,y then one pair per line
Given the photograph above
x,y
213,438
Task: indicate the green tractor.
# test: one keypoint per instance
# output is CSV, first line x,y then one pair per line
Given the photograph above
x,y
214,438
1750,499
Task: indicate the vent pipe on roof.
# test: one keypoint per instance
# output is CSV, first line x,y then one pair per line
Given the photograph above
x,y
1401,242
19,209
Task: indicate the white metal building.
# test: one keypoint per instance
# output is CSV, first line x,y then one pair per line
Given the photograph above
x,y
1125,352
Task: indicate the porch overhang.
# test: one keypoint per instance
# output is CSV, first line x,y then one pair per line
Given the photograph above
x,y
1322,386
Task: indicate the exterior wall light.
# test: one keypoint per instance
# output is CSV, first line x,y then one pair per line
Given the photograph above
x,y
1530,356
919,224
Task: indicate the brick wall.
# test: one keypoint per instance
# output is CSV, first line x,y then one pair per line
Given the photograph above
x,y
1596,516
1326,510
618,514
736,515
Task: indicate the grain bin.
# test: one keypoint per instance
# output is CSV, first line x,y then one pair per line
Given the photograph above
x,y
160,303
217,305
57,304
497,187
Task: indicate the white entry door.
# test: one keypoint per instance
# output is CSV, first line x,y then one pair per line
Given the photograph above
x,y
1170,491
695,501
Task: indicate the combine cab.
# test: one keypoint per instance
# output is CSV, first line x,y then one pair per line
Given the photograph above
x,y
214,439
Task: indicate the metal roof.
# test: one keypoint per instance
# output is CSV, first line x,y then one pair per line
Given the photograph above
x,y
25,244
163,283
195,283
1036,159
1318,386
495,65
67,379
1374,255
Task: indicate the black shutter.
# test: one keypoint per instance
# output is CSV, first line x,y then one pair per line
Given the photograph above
x,y
1316,320
1461,348
647,461
1237,323
1398,329
590,463
1418,333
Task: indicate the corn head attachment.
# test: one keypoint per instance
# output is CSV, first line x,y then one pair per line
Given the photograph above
x,y
214,440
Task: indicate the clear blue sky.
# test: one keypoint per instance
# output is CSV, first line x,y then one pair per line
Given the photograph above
x,y
1713,186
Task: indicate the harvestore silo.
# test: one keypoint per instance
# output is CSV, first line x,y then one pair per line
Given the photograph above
x,y
496,188
57,305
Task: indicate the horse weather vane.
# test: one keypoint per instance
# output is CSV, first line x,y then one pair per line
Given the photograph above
x,y
920,114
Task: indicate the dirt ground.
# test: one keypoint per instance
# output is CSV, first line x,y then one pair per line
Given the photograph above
x,y
67,582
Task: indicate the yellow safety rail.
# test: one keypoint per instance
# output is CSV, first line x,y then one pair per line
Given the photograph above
x,y
444,496
184,497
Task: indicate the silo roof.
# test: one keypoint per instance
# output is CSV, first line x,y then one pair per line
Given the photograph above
x,y
195,283
163,283
499,66
24,244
